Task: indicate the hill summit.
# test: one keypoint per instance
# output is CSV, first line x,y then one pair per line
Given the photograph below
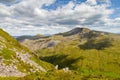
x,y
74,31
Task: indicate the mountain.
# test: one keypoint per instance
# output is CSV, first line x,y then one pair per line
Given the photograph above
x,y
16,60
22,38
85,51
31,37
38,42
73,31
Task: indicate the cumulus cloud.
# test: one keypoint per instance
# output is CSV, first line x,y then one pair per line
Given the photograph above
x,y
7,0
104,1
4,11
91,2
28,17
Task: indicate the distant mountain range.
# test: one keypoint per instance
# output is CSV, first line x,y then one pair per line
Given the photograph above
x,y
40,41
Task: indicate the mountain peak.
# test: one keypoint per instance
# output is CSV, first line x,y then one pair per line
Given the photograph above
x,y
74,31
79,30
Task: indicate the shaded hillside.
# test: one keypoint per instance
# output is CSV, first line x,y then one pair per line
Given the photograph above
x,y
98,44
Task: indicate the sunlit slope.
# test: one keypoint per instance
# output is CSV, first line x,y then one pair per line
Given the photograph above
x,y
96,51
17,60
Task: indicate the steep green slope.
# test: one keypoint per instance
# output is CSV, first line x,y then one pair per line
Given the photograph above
x,y
17,60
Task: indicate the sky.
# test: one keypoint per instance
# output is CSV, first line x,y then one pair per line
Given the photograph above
x,y
31,17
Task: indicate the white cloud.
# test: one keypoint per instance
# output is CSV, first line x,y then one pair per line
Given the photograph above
x,y
104,1
28,17
91,2
4,11
7,0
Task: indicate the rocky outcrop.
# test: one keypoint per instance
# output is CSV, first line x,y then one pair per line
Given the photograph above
x,y
9,70
26,59
15,59
34,45
52,43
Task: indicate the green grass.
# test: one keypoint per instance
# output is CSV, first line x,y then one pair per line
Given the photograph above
x,y
23,67
62,75
11,42
7,54
8,78
101,61
96,59
98,73
44,64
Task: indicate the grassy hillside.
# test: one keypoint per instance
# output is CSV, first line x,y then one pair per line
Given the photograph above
x,y
16,60
62,75
98,55
87,54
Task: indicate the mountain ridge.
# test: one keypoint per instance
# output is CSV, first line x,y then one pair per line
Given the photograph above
x,y
73,31
83,34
